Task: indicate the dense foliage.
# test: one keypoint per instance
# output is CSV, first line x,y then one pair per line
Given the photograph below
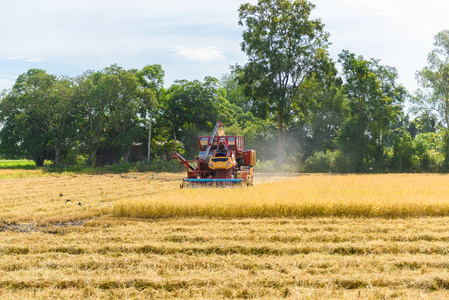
x,y
289,102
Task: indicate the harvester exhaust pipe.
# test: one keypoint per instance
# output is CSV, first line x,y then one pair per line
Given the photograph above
x,y
211,139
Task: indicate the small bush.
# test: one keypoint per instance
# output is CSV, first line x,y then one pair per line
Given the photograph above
x,y
320,162
73,158
432,161
270,166
266,166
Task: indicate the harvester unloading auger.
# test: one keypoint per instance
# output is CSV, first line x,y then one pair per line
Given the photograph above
x,y
222,162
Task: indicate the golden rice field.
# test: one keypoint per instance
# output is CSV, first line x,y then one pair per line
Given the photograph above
x,y
386,196
137,236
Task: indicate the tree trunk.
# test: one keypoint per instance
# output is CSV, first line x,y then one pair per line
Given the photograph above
x,y
126,154
281,144
57,154
446,150
92,157
39,161
174,136
149,140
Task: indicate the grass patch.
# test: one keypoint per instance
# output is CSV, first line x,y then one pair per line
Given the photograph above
x,y
17,164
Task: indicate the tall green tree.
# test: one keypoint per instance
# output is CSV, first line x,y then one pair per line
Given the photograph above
x,y
193,106
235,94
125,106
152,81
284,46
329,111
23,115
374,100
58,114
92,99
112,105
434,80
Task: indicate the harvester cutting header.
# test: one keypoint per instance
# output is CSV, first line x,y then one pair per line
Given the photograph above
x,y
222,162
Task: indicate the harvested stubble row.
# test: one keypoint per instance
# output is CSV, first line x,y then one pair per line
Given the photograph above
x,y
200,258
39,200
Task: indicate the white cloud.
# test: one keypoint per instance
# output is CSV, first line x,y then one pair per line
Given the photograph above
x,y
200,53
17,58
34,59
26,58
389,8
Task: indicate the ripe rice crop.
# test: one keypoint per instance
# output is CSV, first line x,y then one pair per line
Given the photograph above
x,y
385,196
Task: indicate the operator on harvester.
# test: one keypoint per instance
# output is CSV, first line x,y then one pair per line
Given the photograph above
x,y
222,150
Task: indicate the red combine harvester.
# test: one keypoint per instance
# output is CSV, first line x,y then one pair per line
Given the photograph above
x,y
222,162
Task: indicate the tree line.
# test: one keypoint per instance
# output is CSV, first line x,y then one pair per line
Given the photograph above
x,y
289,101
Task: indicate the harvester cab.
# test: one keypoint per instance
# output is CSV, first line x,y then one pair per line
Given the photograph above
x,y
222,162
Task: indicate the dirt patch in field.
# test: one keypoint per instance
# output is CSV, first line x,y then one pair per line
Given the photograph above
x,y
33,227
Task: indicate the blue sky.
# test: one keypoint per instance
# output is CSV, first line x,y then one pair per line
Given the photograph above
x,y
198,38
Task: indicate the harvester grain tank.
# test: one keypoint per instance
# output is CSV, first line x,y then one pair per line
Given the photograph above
x,y
221,162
